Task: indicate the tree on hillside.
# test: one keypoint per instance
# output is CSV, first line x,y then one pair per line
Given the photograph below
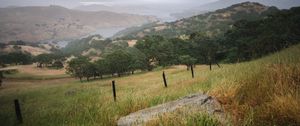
x,y
89,70
187,60
139,61
148,47
119,62
157,50
44,60
53,59
206,47
79,67
58,59
180,48
102,67
166,55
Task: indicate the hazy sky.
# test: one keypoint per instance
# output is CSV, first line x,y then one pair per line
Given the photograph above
x,y
74,3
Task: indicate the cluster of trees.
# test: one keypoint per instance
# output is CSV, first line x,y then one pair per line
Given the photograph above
x,y
43,60
253,39
165,52
17,58
23,43
148,53
200,48
117,62
54,60
120,59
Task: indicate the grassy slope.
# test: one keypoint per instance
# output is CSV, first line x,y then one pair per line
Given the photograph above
x,y
264,91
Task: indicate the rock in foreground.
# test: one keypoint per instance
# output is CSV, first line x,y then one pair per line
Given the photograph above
x,y
195,103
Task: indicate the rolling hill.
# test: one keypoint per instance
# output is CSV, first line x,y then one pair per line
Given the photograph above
x,y
37,23
213,23
29,48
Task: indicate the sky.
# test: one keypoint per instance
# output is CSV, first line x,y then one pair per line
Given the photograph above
x,y
74,3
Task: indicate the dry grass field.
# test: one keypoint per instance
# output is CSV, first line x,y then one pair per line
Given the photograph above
x,y
25,72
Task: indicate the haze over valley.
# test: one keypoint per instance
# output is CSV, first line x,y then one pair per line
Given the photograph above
x,y
35,23
40,21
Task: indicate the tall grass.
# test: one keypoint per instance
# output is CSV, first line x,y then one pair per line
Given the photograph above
x,y
261,92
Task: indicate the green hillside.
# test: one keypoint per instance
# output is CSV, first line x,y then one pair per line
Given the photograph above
x,y
260,92
213,23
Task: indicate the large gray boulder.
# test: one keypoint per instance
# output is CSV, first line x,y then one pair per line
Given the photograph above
x,y
194,103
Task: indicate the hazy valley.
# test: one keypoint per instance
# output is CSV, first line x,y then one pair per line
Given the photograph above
x,y
36,24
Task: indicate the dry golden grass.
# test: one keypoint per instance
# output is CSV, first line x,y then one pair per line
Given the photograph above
x,y
263,92
35,71
31,72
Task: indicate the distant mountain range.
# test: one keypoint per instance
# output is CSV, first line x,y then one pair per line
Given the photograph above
x,y
57,23
213,23
162,12
171,12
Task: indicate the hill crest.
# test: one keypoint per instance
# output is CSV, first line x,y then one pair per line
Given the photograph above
x,y
216,22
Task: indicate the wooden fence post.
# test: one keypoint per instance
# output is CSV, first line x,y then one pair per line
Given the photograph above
x,y
18,111
210,65
114,90
192,69
165,81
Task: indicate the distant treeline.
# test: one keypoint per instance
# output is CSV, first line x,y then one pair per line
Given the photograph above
x,y
20,42
15,58
43,60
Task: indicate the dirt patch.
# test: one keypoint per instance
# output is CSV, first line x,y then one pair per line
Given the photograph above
x,y
131,43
